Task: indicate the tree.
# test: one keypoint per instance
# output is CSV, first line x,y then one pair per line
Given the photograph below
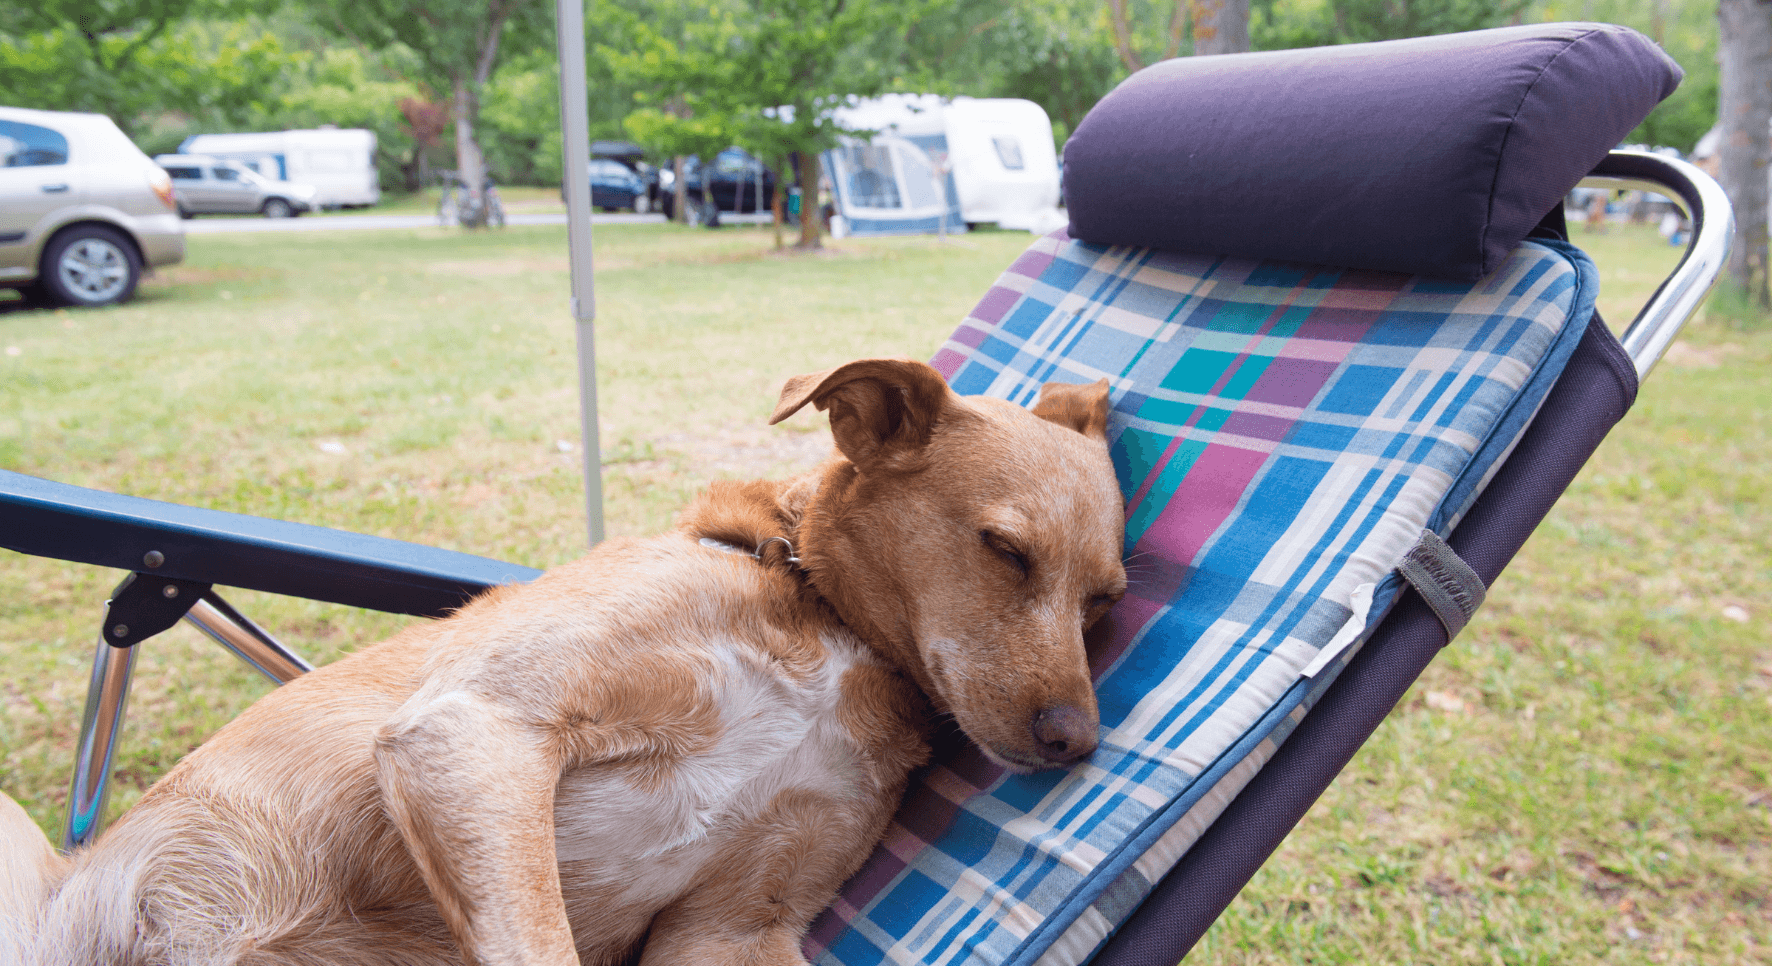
x,y
1124,44
676,133
1280,24
1745,106
1220,26
131,59
458,43
345,87
776,66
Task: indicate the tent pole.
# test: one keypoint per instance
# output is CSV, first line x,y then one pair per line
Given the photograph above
x,y
569,17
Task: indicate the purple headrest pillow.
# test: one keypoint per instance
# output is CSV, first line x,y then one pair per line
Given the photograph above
x,y
1432,156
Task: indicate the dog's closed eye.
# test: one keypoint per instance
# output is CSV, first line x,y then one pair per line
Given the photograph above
x,y
1010,553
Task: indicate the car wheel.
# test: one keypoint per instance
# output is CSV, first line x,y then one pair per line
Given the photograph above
x,y
90,265
278,208
184,213
642,204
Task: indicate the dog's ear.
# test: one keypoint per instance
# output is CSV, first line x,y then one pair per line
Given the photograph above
x,y
1083,408
880,408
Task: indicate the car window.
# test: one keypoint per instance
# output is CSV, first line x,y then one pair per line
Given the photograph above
x,y
730,163
606,169
28,145
179,172
225,174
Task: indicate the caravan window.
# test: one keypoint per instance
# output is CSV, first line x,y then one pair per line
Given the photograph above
x,y
1008,152
871,183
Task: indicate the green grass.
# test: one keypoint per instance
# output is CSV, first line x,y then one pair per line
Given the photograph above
x,y
1584,777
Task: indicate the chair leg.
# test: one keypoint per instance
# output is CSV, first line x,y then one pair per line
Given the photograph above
x,y
106,697
248,641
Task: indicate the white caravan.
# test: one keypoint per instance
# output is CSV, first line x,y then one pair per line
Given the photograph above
x,y
339,163
997,153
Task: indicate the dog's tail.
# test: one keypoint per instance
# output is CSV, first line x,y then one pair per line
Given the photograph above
x,y
30,870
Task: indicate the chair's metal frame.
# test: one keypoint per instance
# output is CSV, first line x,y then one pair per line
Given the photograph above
x,y
151,600
1700,268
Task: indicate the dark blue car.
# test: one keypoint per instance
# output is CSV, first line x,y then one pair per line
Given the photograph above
x,y
615,185
735,181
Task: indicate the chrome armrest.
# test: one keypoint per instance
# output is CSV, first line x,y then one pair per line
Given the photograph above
x,y
1713,231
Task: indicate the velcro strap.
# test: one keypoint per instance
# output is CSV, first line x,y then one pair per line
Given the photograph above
x,y
1444,580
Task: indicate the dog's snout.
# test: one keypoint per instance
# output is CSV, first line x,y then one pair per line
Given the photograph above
x,y
1064,733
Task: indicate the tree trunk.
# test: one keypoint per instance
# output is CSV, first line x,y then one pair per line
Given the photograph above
x,y
1745,108
777,206
469,165
810,229
1123,36
1221,26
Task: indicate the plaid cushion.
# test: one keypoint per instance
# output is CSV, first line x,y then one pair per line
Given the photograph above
x,y
1283,434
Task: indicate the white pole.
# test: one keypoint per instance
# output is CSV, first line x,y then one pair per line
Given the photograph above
x,y
569,17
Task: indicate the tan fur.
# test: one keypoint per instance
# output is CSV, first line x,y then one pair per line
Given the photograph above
x,y
660,749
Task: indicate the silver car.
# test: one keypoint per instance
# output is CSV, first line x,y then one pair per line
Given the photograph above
x,y
83,212
213,186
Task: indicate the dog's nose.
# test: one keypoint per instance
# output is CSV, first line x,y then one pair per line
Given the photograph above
x,y
1064,733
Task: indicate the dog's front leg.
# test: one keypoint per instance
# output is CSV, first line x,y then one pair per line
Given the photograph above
x,y
769,881
472,792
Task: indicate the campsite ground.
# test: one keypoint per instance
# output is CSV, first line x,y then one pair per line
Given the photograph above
x,y
1584,777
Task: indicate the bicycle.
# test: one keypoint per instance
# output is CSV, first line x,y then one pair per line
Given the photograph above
x,y
458,206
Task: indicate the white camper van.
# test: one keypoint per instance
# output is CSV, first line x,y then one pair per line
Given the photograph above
x,y
339,163
997,152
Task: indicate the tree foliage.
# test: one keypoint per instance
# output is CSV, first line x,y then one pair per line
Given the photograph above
x,y
131,59
1281,24
766,73
456,44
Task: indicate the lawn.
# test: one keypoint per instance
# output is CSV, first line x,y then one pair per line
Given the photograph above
x,y
1584,777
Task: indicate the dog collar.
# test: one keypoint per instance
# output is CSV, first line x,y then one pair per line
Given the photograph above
x,y
756,554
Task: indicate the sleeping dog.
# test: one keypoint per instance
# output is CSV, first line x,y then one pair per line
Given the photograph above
x,y
675,749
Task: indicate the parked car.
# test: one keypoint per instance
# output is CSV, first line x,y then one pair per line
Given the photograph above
x,y
216,186
731,184
615,185
83,212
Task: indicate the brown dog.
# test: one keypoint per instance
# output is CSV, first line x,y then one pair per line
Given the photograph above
x,y
678,746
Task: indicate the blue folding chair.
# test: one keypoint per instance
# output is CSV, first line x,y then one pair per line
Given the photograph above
x,y
1353,361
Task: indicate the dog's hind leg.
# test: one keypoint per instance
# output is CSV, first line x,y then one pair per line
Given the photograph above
x,y
29,869
474,803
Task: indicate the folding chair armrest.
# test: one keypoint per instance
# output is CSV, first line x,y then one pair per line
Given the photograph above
x,y
49,519
1701,265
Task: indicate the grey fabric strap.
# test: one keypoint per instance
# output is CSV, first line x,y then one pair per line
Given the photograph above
x,y
1444,580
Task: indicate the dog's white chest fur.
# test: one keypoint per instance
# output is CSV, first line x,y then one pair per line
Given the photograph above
x,y
637,840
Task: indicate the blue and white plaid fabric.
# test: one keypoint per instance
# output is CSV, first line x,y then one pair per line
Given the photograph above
x,y
1283,435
